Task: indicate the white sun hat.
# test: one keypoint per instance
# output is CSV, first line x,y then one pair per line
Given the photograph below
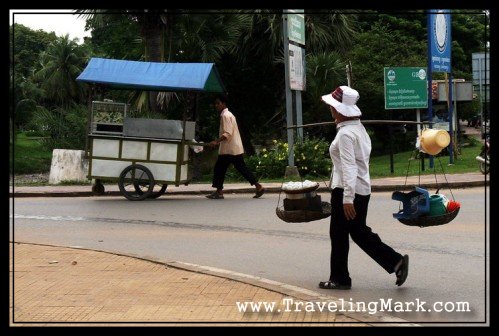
x,y
343,99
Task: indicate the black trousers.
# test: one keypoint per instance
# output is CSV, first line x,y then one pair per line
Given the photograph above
x,y
339,230
223,162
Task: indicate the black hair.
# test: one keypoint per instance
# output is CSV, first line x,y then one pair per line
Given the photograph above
x,y
223,98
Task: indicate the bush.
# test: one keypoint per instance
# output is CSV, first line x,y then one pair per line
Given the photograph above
x,y
311,158
474,142
33,133
63,128
270,163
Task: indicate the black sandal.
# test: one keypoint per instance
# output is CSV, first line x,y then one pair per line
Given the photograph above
x,y
259,193
403,271
333,285
215,195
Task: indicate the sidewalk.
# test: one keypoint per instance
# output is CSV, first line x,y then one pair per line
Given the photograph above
x,y
56,285
380,184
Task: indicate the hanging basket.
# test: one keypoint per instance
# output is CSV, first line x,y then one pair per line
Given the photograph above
x,y
425,221
303,216
302,191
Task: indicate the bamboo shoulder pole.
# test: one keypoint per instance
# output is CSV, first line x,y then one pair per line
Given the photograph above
x,y
367,122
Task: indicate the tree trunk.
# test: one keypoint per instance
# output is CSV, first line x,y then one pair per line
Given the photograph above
x,y
152,32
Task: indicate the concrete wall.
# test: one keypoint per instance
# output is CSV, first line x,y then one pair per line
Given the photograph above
x,y
68,165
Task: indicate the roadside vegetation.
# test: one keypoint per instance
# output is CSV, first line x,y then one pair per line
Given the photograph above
x,y
311,158
50,108
29,156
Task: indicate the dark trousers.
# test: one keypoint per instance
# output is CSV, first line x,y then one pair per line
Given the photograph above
x,y
361,234
223,163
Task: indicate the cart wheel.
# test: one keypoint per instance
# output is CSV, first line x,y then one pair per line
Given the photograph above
x,y
156,193
136,177
98,188
158,189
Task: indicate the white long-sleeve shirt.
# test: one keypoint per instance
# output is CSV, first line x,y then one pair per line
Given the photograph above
x,y
350,151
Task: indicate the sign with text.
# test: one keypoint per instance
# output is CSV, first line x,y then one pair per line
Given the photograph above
x,y
296,68
405,88
296,27
439,34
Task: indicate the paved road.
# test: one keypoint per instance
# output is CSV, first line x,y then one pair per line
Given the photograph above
x,y
244,235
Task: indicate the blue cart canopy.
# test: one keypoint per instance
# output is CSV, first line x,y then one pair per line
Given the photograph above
x,y
152,76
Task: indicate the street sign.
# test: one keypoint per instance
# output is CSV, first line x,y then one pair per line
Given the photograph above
x,y
296,27
461,91
439,33
405,88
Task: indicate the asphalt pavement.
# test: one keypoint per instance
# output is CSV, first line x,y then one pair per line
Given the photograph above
x,y
70,285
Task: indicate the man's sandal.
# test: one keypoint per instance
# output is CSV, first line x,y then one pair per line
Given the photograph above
x,y
259,193
215,195
333,285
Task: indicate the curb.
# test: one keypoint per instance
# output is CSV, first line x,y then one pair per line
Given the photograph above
x,y
268,190
270,285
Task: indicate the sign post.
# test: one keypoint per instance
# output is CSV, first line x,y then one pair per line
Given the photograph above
x,y
289,97
439,60
405,88
294,64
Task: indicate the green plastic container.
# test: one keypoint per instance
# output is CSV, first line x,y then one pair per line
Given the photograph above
x,y
437,205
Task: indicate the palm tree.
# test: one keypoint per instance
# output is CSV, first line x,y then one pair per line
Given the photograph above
x,y
262,43
152,24
325,71
325,31
204,37
61,63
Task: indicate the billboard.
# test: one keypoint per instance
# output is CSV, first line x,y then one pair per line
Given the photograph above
x,y
406,88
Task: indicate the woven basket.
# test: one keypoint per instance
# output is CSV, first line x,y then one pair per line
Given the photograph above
x,y
303,216
425,221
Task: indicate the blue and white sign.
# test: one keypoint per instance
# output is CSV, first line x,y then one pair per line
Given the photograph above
x,y
439,32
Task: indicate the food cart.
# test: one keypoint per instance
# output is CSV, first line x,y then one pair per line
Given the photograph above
x,y
142,155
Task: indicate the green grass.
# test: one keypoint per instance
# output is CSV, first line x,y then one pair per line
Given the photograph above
x,y
29,156
465,163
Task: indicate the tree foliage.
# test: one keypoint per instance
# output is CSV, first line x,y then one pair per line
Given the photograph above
x,y
115,36
25,47
61,63
391,39
247,48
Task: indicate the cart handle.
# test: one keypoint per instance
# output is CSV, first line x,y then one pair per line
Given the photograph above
x,y
204,144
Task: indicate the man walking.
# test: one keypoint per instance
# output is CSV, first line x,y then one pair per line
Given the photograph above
x,y
230,151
